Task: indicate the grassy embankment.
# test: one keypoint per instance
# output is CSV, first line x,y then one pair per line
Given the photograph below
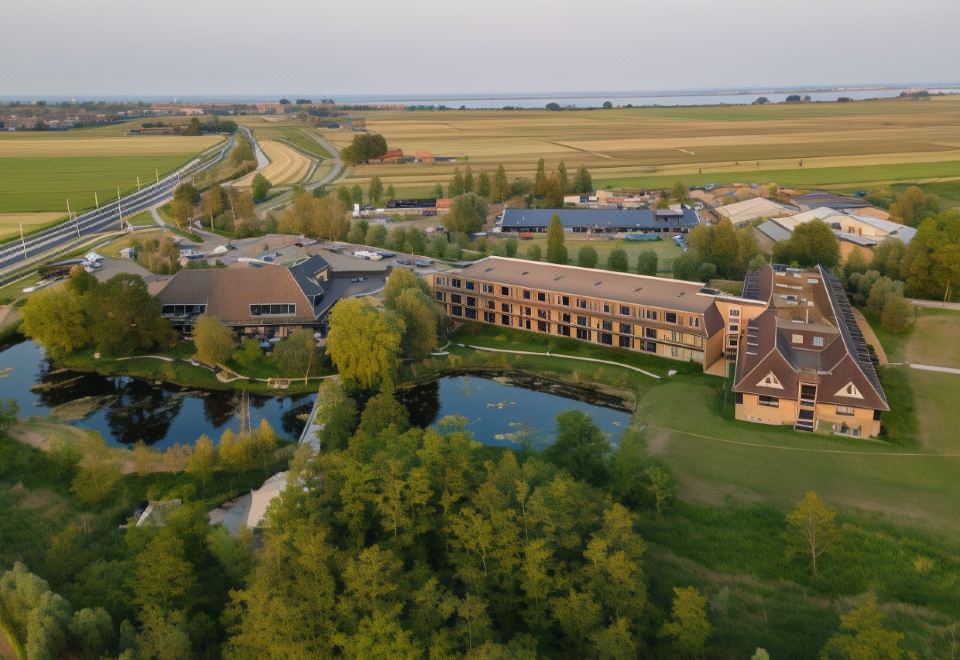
x,y
863,143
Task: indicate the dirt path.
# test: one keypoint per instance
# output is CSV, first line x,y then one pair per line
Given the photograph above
x,y
871,337
286,165
935,304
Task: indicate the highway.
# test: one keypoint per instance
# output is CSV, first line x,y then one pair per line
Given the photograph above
x,y
108,215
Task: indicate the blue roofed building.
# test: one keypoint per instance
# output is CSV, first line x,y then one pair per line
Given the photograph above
x,y
601,221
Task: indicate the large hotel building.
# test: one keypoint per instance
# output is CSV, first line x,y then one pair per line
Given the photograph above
x,y
691,322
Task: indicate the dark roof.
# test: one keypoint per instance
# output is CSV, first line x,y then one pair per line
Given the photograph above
x,y
831,200
308,274
623,219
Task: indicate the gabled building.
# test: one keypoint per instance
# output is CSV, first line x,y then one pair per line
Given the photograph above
x,y
265,301
803,362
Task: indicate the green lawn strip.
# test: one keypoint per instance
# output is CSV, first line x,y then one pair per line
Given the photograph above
x,y
666,250
947,191
141,219
933,339
716,458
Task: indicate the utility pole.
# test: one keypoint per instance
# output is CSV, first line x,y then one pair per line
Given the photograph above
x,y
157,173
138,183
96,200
71,216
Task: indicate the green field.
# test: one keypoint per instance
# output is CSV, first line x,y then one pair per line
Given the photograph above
x,y
666,250
868,142
39,172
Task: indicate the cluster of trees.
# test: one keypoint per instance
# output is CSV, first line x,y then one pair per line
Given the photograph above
x,y
467,215
217,344
494,188
810,244
406,542
881,297
913,206
214,125
116,317
617,259
718,250
364,147
225,208
158,255
316,217
366,343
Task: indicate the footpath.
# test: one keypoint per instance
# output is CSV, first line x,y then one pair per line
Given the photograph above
x,y
565,357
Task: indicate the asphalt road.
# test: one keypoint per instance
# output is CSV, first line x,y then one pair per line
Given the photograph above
x,y
14,252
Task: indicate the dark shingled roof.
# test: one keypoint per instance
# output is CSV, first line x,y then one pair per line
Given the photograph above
x,y
819,198
604,219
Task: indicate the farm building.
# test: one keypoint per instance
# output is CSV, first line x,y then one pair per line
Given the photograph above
x,y
424,157
605,221
749,210
390,156
267,301
803,361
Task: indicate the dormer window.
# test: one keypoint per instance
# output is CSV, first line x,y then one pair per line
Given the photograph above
x,y
770,380
850,390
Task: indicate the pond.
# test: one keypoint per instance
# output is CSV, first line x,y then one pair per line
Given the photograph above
x,y
511,410
127,410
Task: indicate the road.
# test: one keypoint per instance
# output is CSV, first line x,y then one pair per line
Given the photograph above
x,y
14,252
935,304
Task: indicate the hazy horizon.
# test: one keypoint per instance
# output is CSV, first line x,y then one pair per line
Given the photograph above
x,y
111,48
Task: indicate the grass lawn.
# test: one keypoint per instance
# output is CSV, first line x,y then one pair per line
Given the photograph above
x,y
933,339
666,250
947,191
10,223
141,219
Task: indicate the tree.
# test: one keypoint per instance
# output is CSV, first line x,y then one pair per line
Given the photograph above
x,y
55,320
356,194
587,257
214,341
483,185
336,414
617,260
556,250
203,460
298,353
647,262
364,147
438,191
510,247
679,192
375,191
391,192
468,180
897,314
812,243
689,626
260,187
580,447
364,344
863,636
607,105
563,178
661,486
455,187
913,206
98,476
811,528
931,262
500,188
212,202
468,214
887,257
343,194
534,253
856,262
420,322
583,182
552,193
193,128
540,180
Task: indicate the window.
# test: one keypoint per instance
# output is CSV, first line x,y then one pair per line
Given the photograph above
x,y
543,327
694,321
583,334
607,325
734,313
670,317
456,298
624,310
650,347
676,337
565,317
504,291
582,320
456,310
526,295
486,288
738,398
504,319
768,401
471,301
273,310
471,314
850,390
606,308
489,317
440,281
797,339
605,338
846,411
581,303
455,283
564,300
650,333
732,341
626,328
818,342
650,314
504,307
541,296
440,296
470,286
624,342
527,311
490,304
770,380
734,327
564,330
183,310
543,314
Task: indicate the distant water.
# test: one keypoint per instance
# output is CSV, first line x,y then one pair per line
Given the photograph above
x,y
535,100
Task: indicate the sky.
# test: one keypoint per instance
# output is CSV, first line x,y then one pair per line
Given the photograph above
x,y
370,47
